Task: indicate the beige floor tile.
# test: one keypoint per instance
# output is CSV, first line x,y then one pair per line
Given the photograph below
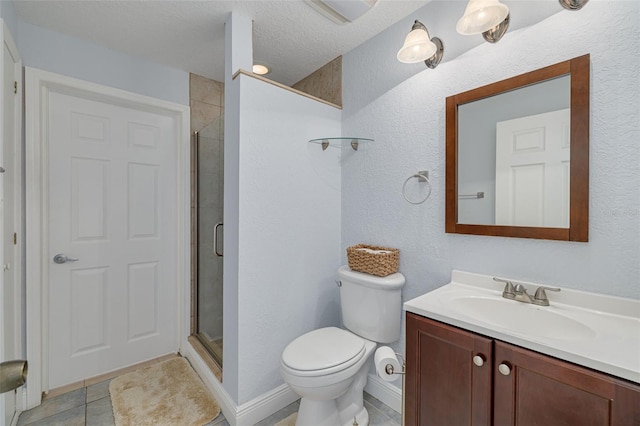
x,y
54,406
63,389
98,391
100,413
72,417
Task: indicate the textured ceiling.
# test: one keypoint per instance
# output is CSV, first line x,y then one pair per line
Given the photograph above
x,y
289,36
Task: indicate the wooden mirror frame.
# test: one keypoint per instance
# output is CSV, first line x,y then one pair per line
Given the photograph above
x,y
579,70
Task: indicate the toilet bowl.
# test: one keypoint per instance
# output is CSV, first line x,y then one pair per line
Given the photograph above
x,y
328,367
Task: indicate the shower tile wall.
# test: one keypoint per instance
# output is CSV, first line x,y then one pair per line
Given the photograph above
x,y
324,83
207,108
207,101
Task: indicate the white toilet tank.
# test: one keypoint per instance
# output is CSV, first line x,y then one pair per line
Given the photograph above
x,y
371,306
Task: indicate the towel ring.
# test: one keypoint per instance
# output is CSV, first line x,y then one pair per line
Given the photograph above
x,y
421,175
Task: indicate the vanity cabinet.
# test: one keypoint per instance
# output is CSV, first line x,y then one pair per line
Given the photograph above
x,y
443,385
456,377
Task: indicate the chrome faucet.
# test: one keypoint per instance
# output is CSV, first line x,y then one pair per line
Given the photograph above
x,y
519,293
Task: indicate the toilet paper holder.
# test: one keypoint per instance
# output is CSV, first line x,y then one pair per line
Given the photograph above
x,y
390,370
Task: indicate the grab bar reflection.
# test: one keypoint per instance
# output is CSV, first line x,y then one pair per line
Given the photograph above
x,y
215,239
471,196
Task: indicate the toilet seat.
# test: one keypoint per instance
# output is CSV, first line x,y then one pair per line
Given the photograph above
x,y
322,352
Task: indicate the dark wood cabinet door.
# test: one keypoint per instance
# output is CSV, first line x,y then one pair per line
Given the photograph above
x,y
444,387
534,389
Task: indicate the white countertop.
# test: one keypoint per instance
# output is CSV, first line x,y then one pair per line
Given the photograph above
x,y
611,343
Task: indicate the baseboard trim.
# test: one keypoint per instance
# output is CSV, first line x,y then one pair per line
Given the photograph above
x,y
265,405
21,403
384,392
246,414
227,405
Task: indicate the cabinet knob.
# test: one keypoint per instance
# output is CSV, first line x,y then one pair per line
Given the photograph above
x,y
504,369
478,360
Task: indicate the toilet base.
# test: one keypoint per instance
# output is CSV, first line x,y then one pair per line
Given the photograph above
x,y
340,411
317,413
324,413
362,418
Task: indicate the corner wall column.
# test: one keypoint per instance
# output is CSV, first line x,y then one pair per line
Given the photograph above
x,y
238,55
238,45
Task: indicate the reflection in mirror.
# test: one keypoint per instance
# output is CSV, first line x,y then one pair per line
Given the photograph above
x,y
514,148
518,155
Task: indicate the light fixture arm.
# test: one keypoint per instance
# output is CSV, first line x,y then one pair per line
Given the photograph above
x,y
434,60
417,25
494,34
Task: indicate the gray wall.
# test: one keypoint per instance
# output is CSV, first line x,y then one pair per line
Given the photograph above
x,y
407,120
8,14
59,53
282,213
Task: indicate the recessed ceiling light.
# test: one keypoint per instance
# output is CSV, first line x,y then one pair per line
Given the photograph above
x,y
261,69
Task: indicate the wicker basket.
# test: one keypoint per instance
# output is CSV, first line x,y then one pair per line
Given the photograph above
x,y
379,264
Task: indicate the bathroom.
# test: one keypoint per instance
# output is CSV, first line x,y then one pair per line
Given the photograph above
x,y
323,208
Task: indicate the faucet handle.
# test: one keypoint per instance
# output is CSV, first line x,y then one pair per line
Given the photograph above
x,y
540,298
508,292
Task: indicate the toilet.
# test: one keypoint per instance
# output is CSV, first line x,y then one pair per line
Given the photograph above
x,y
328,367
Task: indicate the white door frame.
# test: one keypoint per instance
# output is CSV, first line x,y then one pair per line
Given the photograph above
x,y
17,267
39,84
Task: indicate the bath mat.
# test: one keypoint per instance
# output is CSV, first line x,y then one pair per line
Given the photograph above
x,y
168,393
289,421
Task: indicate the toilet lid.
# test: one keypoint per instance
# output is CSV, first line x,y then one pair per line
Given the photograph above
x,y
323,348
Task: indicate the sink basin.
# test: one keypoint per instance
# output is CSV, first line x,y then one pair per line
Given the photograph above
x,y
522,318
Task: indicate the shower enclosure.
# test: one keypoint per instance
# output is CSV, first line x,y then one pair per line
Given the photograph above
x,y
207,213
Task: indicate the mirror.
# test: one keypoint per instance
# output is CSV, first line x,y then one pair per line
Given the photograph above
x,y
517,161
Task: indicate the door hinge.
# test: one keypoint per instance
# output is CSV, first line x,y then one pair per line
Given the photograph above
x,y
15,238
15,87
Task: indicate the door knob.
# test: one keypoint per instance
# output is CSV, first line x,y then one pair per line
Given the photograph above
x,y
61,258
478,360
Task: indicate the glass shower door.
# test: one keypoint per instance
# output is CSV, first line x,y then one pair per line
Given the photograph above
x,y
209,175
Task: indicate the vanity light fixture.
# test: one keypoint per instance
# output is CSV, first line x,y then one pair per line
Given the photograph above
x,y
573,4
419,47
261,69
489,17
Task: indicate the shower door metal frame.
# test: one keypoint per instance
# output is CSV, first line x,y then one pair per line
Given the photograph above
x,y
195,257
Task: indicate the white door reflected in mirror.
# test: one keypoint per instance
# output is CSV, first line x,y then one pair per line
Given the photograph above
x,y
514,147
532,170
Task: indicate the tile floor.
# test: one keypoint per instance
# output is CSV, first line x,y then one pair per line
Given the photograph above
x,y
379,414
85,406
91,406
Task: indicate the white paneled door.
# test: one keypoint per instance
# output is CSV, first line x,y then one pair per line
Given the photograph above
x,y
112,237
532,170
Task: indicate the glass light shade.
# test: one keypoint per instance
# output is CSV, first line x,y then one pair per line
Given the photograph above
x,y
480,16
417,47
